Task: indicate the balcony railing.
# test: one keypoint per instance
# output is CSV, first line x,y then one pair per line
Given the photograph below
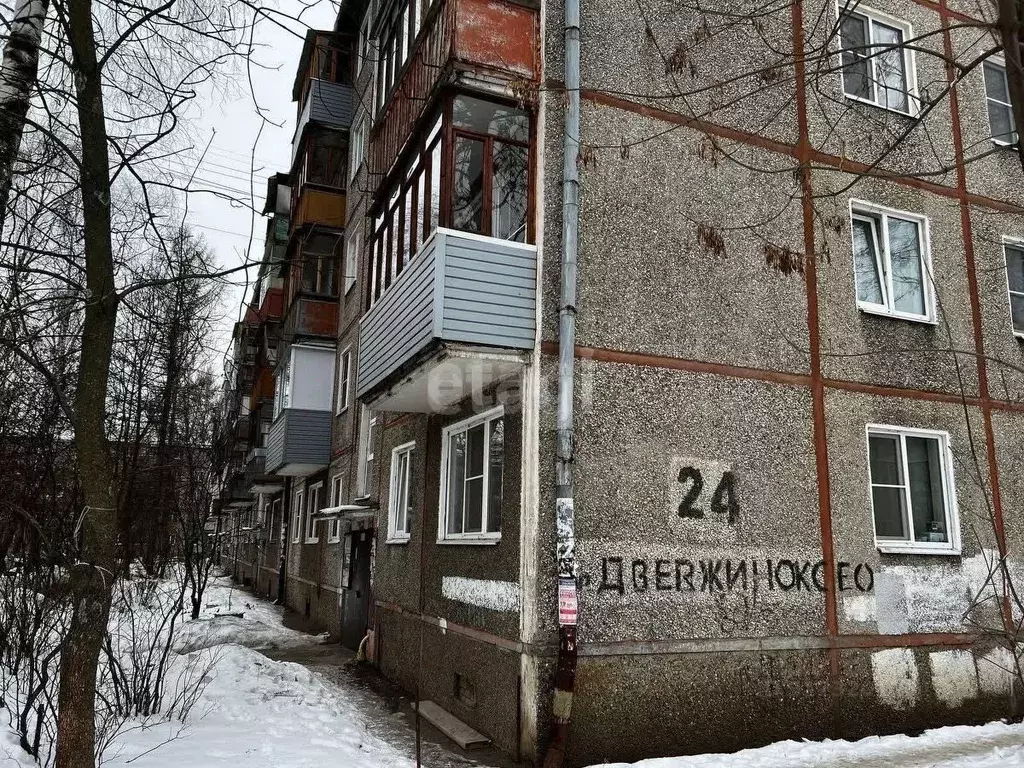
x,y
299,442
475,292
311,316
322,206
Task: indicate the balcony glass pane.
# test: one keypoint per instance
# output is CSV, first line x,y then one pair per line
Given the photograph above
x,y
495,472
468,189
509,195
488,117
456,480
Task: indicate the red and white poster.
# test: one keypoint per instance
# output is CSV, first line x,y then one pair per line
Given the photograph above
x,y
567,602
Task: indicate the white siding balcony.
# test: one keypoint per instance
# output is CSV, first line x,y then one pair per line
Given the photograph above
x,y
459,319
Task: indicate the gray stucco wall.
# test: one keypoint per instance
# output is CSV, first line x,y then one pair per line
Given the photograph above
x,y
669,669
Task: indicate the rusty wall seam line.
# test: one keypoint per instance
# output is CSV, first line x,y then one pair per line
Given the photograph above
x,y
803,156
619,357
833,162
967,233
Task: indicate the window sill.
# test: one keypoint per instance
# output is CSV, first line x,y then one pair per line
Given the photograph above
x,y
868,309
334,541
397,540
489,541
918,549
910,114
341,412
311,541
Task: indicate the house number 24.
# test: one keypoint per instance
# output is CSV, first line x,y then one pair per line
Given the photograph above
x,y
723,500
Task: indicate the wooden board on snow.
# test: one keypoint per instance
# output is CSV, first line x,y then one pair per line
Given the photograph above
x,y
451,726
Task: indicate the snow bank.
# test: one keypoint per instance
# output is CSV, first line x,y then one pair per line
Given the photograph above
x,y
996,745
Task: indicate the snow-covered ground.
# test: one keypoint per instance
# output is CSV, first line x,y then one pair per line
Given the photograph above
x,y
259,713
996,745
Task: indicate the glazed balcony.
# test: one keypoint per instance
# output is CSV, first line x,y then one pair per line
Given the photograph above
x,y
327,104
299,442
498,40
459,317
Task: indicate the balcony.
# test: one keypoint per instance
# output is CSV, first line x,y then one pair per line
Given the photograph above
x,y
324,207
457,320
328,104
234,494
299,442
257,479
311,316
498,40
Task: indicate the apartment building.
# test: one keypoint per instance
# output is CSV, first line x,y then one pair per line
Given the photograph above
x,y
796,402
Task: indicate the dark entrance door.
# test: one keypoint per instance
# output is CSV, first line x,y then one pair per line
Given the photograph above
x,y
357,596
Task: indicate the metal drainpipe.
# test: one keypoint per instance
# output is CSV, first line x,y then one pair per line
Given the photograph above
x,y
565,673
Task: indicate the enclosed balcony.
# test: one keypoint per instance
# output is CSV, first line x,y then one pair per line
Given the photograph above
x,y
323,84
312,309
299,441
458,319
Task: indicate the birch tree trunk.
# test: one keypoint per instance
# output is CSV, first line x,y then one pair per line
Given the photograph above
x,y
18,72
92,579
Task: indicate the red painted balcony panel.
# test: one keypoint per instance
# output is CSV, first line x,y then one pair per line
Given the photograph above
x,y
497,35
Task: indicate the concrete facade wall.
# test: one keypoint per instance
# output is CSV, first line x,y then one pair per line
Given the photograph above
x,y
424,583
723,375
696,351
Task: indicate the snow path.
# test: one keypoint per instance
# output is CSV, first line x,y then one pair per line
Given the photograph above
x,y
256,712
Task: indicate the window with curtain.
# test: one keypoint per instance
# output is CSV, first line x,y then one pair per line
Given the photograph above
x,y
911,489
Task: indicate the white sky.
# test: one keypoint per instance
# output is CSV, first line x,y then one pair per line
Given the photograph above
x,y
232,126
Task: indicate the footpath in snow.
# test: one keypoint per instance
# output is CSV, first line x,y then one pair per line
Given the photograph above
x,y
259,713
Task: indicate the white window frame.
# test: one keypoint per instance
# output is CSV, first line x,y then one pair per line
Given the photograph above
x,y
1018,244
337,493
357,148
997,61
893,546
399,519
353,247
865,210
367,437
344,380
909,57
363,47
312,504
297,516
483,537
275,508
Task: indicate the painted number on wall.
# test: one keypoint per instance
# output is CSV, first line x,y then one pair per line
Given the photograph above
x,y
723,500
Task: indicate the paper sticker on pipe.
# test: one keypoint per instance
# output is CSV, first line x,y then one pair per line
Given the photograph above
x,y
567,605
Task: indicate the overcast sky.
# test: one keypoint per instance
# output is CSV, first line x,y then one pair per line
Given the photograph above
x,y
232,126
